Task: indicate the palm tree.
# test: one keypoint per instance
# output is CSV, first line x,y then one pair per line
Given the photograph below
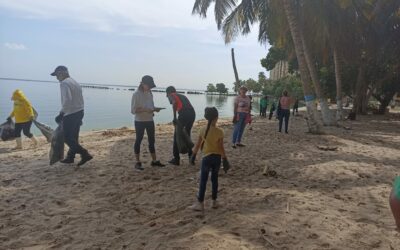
x,y
234,67
304,74
338,78
234,19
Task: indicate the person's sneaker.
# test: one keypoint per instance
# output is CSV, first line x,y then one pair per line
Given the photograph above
x,y
198,206
67,161
157,164
85,158
234,146
215,204
138,166
240,145
174,161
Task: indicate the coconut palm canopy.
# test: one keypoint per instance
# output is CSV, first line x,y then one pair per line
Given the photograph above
x,y
353,39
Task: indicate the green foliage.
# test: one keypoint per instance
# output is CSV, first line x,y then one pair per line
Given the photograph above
x,y
220,87
237,85
211,88
290,83
253,85
364,33
274,56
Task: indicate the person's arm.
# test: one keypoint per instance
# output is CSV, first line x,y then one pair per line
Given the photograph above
x,y
196,149
198,145
174,110
66,97
29,110
250,106
235,106
173,102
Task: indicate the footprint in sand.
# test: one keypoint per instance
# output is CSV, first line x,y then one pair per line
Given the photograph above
x,y
313,236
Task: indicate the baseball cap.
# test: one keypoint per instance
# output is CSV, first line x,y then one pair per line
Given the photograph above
x,y
148,80
59,69
170,89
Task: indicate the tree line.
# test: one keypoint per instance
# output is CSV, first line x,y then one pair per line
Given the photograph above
x,y
338,47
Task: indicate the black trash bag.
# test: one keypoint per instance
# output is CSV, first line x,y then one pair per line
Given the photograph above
x,y
183,140
45,129
7,131
57,145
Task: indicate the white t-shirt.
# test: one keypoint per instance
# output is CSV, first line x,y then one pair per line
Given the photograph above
x,y
142,99
71,96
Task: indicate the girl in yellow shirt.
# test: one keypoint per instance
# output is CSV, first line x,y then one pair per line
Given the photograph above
x,y
211,143
23,114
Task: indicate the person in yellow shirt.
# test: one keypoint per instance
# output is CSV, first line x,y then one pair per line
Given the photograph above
x,y
211,143
23,115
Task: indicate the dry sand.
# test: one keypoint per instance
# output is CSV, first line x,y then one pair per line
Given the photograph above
x,y
317,200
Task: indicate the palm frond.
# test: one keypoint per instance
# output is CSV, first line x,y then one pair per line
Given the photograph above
x,y
201,6
222,7
240,20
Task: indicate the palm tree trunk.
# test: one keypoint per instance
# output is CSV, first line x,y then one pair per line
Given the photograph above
x,y
234,68
360,92
327,117
338,76
313,124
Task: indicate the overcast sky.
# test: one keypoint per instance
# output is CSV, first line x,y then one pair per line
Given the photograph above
x,y
116,42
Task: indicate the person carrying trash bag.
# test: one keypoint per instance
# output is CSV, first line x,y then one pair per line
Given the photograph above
x,y
71,115
23,115
184,121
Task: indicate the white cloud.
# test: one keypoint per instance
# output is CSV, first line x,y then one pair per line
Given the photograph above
x,y
15,46
116,15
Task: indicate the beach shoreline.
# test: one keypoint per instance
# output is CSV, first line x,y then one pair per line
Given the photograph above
x,y
328,192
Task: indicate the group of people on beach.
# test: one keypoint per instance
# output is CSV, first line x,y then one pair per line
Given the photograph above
x,y
210,140
282,110
70,116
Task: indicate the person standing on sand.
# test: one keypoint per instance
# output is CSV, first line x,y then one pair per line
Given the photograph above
x,y
211,143
23,113
296,106
263,106
272,109
186,117
143,108
284,111
71,115
241,115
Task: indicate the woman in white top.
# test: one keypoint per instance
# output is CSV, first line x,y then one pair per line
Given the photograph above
x,y
143,109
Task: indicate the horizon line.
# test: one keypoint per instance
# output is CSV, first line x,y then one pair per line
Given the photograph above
x,y
89,84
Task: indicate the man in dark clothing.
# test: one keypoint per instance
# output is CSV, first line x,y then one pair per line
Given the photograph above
x,y
186,117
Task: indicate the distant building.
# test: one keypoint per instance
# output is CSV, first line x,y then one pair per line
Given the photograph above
x,y
281,70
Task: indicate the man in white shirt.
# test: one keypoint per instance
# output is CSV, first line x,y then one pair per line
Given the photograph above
x,y
71,115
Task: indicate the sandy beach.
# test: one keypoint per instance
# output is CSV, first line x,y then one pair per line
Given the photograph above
x,y
318,199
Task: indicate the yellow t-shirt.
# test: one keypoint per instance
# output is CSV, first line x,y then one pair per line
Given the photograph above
x,y
211,143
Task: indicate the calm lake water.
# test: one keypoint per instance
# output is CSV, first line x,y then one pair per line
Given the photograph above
x,y
103,108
